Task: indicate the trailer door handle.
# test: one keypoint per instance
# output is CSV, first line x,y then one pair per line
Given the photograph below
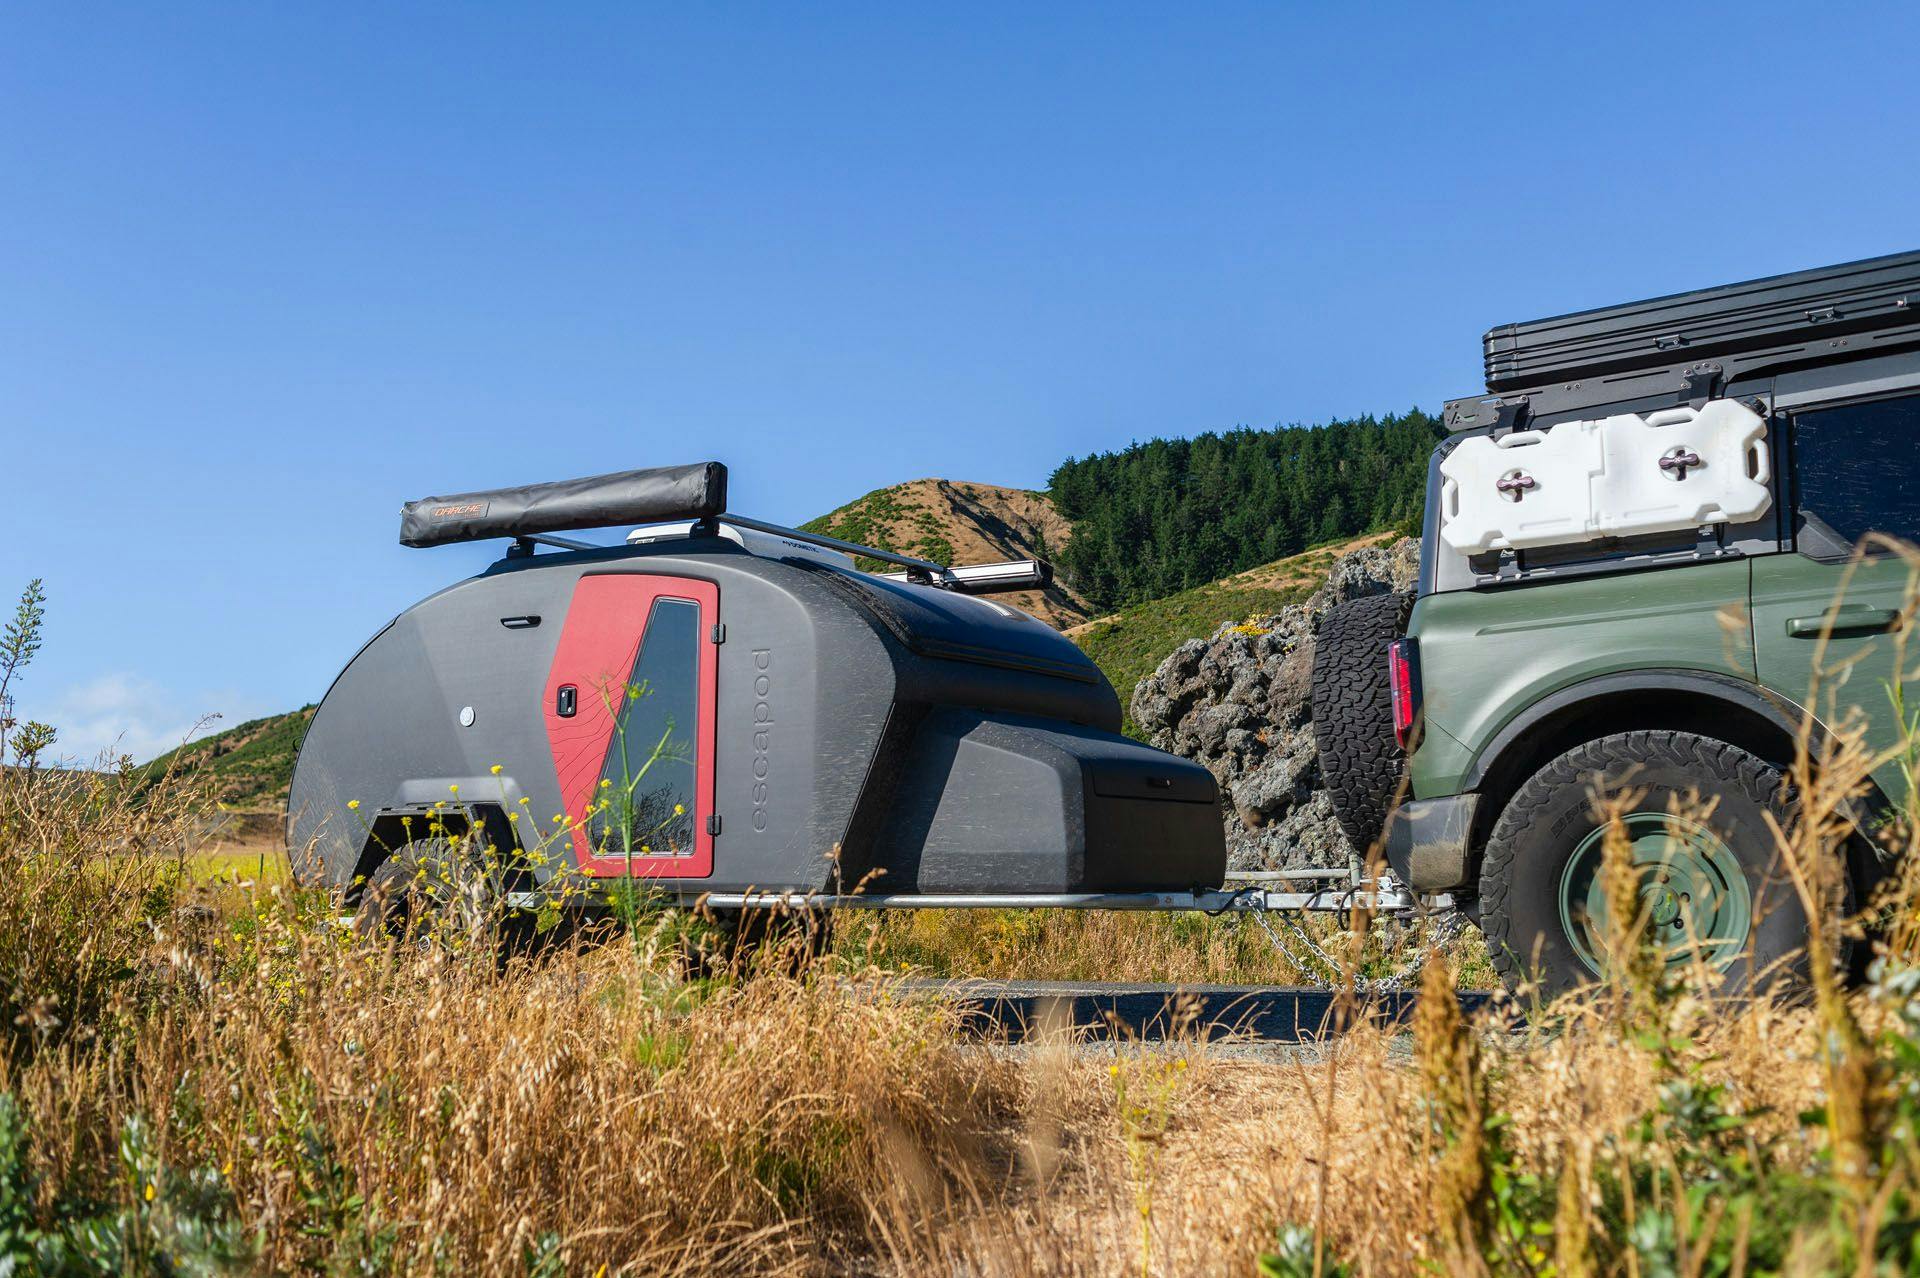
x,y
566,702
1845,622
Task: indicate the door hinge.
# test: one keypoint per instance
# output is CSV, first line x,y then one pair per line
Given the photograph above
x,y
713,824
719,632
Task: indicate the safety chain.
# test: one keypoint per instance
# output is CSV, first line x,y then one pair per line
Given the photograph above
x,y
1307,953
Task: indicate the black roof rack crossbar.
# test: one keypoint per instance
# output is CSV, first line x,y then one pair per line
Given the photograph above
x,y
917,569
531,514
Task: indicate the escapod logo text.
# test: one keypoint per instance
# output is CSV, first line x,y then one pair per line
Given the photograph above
x,y
762,733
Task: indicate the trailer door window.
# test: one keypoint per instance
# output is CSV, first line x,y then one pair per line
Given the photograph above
x,y
645,805
1857,470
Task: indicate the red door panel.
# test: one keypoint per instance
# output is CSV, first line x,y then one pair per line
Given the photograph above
x,y
604,660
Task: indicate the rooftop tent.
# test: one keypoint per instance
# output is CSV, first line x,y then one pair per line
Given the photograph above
x,y
662,493
1869,303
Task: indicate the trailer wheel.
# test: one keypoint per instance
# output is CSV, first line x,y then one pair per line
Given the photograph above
x,y
435,891
769,939
1360,762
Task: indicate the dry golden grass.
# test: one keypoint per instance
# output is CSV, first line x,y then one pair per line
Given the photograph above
x,y
1032,945
393,1111
1105,945
386,1109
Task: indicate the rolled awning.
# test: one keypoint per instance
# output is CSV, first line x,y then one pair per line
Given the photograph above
x,y
698,491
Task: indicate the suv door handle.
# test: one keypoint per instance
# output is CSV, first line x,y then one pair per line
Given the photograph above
x,y
1845,622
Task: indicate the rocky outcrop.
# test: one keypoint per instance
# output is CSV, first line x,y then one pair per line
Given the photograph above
x,y
1238,704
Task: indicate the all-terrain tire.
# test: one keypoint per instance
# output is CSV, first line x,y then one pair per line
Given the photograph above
x,y
1649,772
1360,761
765,939
435,890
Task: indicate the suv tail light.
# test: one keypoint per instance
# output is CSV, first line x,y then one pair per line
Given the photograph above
x,y
1403,677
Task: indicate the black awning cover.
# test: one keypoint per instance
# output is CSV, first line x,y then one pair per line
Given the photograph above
x,y
698,491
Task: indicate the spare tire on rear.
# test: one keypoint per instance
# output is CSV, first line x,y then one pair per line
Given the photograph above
x,y
1360,761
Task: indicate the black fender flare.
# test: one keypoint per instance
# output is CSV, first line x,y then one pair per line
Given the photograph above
x,y
395,825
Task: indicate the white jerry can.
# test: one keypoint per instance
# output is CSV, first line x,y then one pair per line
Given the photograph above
x,y
1619,476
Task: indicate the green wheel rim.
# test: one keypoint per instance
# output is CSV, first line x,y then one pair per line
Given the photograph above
x,y
1692,892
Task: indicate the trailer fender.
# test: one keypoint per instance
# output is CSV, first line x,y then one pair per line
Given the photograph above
x,y
394,825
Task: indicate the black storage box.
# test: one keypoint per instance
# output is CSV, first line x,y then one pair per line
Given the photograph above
x,y
1002,802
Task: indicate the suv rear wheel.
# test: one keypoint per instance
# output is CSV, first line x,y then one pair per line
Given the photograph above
x,y
1695,814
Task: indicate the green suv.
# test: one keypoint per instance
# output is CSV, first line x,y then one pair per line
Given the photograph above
x,y
1641,547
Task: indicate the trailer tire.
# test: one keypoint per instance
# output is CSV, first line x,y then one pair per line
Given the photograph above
x,y
1360,762
776,939
434,891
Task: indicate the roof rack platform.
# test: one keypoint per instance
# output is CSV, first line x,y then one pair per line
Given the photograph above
x,y
1876,301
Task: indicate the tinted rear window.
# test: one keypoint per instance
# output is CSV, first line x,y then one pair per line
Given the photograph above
x,y
1857,470
646,785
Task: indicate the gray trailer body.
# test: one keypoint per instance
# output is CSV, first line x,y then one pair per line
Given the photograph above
x,y
851,733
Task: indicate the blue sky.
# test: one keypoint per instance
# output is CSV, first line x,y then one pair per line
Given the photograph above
x,y
266,271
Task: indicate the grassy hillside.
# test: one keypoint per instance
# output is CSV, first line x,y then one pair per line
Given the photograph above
x,y
252,763
955,522
1128,644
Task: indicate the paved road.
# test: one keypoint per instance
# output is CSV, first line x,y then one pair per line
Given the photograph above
x,y
1151,1013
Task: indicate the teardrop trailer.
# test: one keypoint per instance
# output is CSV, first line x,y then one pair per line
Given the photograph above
x,y
734,714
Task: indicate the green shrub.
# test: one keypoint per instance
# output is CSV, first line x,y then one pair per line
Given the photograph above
x,y
153,1219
